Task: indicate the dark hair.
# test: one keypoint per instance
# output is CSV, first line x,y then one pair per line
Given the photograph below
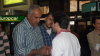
x,y
94,19
62,19
48,14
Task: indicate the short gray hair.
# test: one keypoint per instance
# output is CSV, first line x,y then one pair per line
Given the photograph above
x,y
30,10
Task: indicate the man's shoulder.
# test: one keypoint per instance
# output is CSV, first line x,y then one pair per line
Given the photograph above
x,y
66,34
90,33
57,39
20,25
60,36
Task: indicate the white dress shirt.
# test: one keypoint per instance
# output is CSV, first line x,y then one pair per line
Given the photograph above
x,y
49,31
65,44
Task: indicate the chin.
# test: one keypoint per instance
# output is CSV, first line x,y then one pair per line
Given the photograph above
x,y
49,26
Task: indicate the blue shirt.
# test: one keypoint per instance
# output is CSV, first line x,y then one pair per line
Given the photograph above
x,y
26,38
46,37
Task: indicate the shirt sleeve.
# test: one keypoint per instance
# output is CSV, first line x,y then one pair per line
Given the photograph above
x,y
57,47
18,36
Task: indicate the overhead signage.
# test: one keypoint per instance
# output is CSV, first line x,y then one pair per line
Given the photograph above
x,y
89,7
11,18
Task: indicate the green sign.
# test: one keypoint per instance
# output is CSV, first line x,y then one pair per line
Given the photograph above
x,y
11,18
89,7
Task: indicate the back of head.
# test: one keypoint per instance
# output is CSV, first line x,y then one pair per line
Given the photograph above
x,y
61,19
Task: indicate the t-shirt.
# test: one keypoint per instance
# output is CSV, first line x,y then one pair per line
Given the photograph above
x,y
4,45
65,44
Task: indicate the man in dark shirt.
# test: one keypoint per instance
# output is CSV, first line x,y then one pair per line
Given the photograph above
x,y
46,30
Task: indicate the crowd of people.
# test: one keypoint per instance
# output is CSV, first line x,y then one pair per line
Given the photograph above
x,y
52,38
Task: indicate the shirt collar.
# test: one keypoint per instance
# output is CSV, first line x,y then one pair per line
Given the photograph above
x,y
63,30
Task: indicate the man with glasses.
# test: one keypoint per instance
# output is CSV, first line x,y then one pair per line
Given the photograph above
x,y
94,37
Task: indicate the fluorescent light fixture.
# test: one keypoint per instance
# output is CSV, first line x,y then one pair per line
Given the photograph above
x,y
72,22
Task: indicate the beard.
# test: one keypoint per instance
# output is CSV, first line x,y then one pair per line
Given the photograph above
x,y
48,26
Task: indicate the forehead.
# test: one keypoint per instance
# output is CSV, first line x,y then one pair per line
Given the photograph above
x,y
50,17
97,20
36,10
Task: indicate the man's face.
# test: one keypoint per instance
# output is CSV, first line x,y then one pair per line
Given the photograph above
x,y
55,27
97,24
34,17
49,21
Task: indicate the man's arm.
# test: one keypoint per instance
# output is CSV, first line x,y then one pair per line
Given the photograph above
x,y
19,41
91,42
45,50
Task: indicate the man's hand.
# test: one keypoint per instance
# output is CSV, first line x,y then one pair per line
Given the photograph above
x,y
44,50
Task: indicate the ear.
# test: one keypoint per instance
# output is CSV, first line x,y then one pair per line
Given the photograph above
x,y
57,24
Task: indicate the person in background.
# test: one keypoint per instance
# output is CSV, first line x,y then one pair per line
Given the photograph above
x,y
94,37
27,37
65,43
46,30
4,43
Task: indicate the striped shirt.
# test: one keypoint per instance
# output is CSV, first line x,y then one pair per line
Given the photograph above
x,y
4,45
26,38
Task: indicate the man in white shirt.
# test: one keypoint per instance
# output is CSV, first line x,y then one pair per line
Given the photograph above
x,y
65,43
